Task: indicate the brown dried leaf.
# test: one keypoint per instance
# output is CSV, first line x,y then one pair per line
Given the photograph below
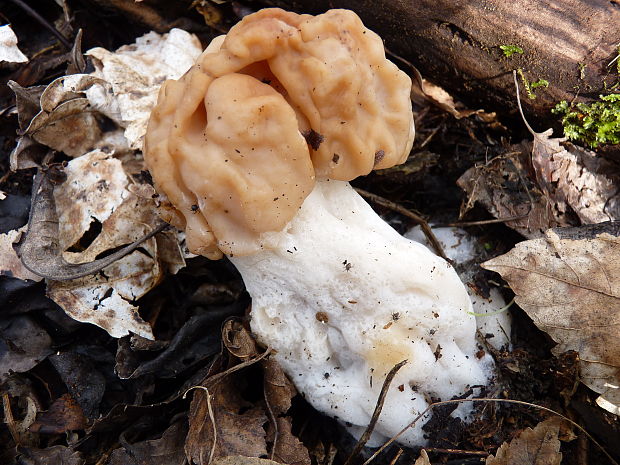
x,y
238,340
55,455
580,179
23,344
279,391
67,121
573,177
278,388
167,450
65,414
566,282
288,449
538,446
237,431
439,97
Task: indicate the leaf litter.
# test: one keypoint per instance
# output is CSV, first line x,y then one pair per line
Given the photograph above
x,y
101,191
112,128
570,185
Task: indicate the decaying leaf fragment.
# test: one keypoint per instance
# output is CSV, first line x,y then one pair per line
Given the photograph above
x,y
10,264
95,192
240,460
567,282
538,446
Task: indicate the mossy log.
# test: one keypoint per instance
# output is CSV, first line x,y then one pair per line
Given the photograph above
x,y
456,44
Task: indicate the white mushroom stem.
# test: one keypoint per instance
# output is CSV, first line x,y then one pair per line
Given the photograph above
x,y
342,298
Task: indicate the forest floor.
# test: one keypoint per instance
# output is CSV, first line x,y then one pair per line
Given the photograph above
x,y
73,394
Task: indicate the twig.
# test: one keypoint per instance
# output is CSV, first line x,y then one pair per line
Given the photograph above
x,y
428,232
43,22
456,451
486,399
459,224
274,420
396,457
9,419
213,380
375,416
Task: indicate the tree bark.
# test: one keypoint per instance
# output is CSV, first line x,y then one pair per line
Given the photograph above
x,y
456,44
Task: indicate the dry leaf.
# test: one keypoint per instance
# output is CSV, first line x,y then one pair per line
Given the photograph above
x,y
579,179
238,340
238,425
573,177
8,46
68,122
167,450
439,97
567,283
538,446
423,459
65,414
95,193
288,449
136,72
55,455
278,388
279,392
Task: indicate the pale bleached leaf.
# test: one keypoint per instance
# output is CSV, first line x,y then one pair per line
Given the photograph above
x,y
9,51
136,72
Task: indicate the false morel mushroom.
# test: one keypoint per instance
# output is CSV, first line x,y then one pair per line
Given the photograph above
x,y
251,151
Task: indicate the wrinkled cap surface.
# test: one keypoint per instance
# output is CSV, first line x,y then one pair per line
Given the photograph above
x,y
236,144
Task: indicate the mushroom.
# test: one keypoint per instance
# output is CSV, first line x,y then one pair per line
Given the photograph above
x,y
253,149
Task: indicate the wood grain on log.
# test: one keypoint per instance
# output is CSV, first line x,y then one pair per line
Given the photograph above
x,y
456,43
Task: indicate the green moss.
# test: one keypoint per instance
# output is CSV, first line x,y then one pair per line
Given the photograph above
x,y
539,83
510,50
592,124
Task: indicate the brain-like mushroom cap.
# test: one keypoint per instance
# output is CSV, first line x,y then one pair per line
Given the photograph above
x,y
225,143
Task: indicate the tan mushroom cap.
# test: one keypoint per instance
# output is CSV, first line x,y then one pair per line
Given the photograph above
x,y
225,143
